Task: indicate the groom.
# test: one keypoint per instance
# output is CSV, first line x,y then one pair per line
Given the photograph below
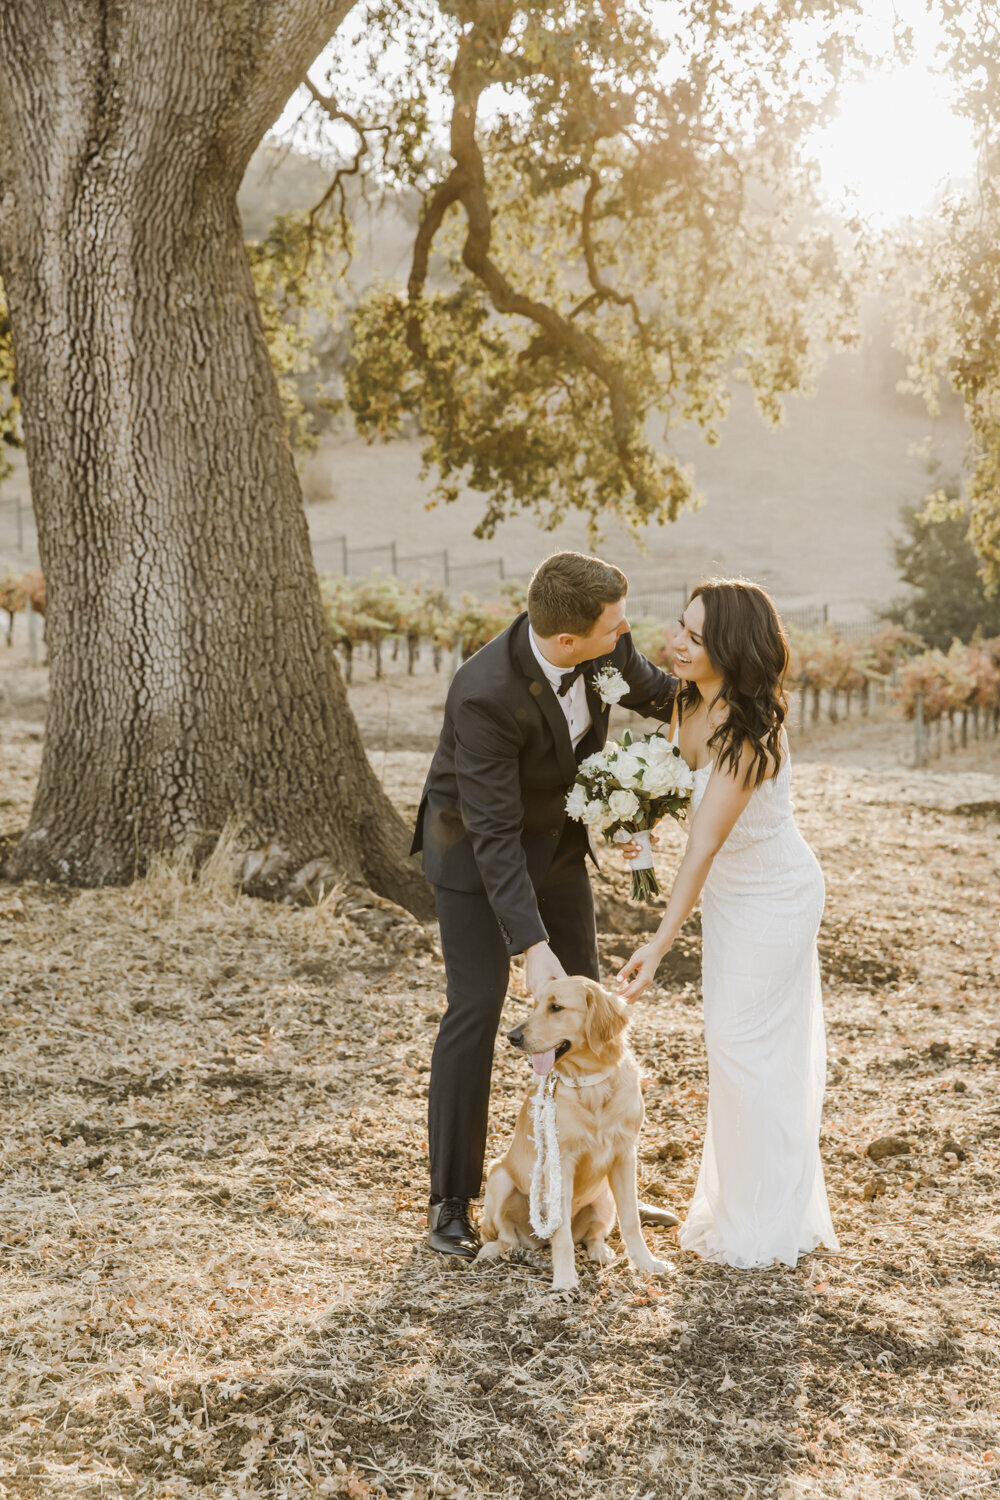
x,y
506,864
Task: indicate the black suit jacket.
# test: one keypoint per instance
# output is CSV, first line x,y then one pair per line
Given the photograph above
x,y
493,806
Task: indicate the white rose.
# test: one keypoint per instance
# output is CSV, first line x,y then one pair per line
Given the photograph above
x,y
594,814
626,767
667,776
595,762
576,801
684,776
657,747
656,781
624,805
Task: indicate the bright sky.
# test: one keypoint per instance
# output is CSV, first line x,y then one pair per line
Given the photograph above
x,y
895,143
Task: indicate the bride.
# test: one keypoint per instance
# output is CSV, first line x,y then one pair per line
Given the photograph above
x,y
760,1194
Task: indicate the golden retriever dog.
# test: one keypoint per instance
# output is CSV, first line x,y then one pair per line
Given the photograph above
x,y
576,1029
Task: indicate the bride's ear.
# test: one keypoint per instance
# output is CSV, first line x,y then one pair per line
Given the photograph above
x,y
607,1016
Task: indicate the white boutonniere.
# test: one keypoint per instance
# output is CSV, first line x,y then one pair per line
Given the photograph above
x,y
610,686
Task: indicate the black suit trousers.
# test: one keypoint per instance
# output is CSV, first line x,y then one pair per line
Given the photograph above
x,y
477,969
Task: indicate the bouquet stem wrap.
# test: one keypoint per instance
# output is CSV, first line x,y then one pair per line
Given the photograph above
x,y
644,881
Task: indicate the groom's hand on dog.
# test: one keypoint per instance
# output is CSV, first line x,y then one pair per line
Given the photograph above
x,y
540,966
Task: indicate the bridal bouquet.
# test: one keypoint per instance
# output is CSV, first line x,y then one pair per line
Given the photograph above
x,y
625,789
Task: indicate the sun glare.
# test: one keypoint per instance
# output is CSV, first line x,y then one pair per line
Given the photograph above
x,y
894,145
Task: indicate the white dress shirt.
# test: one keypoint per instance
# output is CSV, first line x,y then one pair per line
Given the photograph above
x,y
574,703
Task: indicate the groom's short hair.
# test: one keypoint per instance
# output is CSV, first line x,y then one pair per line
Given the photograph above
x,y
568,592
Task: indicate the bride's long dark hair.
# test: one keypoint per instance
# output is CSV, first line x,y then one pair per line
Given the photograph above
x,y
746,645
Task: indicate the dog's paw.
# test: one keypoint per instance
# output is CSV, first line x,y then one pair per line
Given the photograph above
x,y
653,1267
564,1284
602,1253
491,1250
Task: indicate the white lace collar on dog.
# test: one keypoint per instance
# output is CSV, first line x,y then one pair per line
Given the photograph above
x,y
582,1083
545,1195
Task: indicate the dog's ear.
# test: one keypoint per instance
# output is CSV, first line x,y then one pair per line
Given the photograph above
x,y
606,1017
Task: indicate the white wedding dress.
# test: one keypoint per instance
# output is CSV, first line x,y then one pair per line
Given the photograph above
x,y
761,1194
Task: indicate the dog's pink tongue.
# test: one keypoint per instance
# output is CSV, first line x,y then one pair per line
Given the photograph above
x,y
544,1062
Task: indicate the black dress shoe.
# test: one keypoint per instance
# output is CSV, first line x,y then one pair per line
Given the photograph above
x,y
661,1216
450,1230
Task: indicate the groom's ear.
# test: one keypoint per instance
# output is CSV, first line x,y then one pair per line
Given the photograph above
x,y
607,1016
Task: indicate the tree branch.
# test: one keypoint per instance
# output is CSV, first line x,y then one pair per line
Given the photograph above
x,y
479,50
603,291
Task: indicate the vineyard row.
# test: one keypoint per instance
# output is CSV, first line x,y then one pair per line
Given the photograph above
x,y
891,663
959,689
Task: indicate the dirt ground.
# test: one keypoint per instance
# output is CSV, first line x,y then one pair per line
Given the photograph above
x,y
214,1176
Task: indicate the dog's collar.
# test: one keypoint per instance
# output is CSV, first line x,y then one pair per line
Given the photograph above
x,y
582,1083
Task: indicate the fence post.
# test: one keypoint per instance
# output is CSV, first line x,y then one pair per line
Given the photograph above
x,y
826,614
918,730
447,570
32,634
392,554
502,575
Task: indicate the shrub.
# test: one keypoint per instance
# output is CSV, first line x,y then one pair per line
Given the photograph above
x,y
936,558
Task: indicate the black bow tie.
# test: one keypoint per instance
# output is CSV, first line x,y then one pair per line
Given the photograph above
x,y
567,679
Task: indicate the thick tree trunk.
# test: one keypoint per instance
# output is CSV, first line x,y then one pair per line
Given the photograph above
x,y
193,681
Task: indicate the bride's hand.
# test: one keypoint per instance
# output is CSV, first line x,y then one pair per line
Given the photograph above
x,y
643,965
632,850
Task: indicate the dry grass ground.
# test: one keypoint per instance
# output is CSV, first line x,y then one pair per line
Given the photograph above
x,y
214,1171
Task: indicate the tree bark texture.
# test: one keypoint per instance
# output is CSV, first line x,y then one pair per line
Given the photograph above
x,y
193,681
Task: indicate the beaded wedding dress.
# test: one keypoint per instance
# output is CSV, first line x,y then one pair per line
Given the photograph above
x,y
761,1194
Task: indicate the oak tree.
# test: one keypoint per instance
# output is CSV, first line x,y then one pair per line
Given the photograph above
x,y
944,273
624,224
193,682
617,238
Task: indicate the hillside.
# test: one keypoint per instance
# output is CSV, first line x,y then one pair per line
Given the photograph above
x,y
809,509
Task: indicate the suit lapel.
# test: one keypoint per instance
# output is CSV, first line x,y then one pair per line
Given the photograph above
x,y
545,698
600,712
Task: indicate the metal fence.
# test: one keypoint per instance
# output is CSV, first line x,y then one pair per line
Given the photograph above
x,y
334,555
